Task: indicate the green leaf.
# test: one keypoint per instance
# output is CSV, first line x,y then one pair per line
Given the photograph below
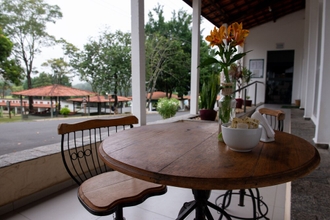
x,y
209,92
208,61
238,56
220,137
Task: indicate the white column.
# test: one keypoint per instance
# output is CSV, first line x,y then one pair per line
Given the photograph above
x,y
310,57
195,51
138,61
303,77
323,109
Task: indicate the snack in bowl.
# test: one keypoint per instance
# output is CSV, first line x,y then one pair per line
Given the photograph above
x,y
244,123
242,134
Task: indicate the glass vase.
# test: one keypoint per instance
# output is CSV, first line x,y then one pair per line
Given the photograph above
x,y
227,106
227,103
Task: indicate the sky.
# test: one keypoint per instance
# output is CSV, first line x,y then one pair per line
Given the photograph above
x,y
83,19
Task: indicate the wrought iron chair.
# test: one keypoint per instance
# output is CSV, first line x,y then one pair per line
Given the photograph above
x,y
101,191
276,120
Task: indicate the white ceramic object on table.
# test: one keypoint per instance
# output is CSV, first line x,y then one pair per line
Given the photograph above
x,y
267,134
240,139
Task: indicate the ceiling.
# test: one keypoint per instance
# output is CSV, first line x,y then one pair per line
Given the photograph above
x,y
250,12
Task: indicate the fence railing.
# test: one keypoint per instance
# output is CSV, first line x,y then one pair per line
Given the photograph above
x,y
255,83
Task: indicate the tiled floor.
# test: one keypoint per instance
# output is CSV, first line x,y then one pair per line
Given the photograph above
x,y
65,206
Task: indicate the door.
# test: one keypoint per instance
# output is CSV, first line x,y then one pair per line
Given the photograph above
x,y
279,77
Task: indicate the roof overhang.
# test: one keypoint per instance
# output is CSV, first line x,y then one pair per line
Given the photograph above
x,y
250,12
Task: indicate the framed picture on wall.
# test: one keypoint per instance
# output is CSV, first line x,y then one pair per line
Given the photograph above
x,y
257,68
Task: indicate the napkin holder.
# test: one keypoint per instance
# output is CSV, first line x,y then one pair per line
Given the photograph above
x,y
268,134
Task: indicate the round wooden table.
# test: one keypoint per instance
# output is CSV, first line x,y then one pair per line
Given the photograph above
x,y
188,154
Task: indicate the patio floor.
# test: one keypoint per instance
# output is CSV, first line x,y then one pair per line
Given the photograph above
x,y
65,206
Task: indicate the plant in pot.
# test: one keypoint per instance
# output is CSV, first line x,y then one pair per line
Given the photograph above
x,y
208,98
248,101
246,75
236,72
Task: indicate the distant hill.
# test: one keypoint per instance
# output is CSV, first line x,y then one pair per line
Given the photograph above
x,y
83,86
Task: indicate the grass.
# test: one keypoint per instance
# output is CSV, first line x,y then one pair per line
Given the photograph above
x,y
5,118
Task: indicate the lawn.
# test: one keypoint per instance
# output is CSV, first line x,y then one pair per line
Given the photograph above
x,y
5,118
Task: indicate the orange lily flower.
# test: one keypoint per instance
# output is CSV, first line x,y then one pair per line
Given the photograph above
x,y
217,36
226,39
238,33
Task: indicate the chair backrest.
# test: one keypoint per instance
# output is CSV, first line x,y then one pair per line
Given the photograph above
x,y
274,117
80,142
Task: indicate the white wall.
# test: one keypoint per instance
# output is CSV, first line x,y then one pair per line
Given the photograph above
x,y
288,30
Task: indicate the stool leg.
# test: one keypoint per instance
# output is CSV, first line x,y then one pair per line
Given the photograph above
x,y
119,214
226,199
241,197
256,201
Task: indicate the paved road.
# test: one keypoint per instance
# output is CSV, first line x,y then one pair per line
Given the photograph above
x,y
18,136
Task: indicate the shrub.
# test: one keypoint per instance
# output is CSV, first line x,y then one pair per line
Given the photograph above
x,y
64,111
167,108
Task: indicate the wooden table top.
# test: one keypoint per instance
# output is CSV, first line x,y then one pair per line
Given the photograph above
x,y
188,154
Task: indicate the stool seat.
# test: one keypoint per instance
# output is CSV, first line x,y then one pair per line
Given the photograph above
x,y
103,193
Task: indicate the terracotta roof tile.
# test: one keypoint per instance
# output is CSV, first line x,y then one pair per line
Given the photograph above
x,y
158,94
99,98
54,91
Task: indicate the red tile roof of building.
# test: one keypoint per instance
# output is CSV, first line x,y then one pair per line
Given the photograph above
x,y
54,91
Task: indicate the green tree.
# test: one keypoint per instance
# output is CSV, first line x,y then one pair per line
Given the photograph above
x,y
161,47
60,70
5,46
174,73
4,88
105,63
25,23
9,68
176,76
45,79
15,88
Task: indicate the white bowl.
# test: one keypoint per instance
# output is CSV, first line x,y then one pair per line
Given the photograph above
x,y
242,140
